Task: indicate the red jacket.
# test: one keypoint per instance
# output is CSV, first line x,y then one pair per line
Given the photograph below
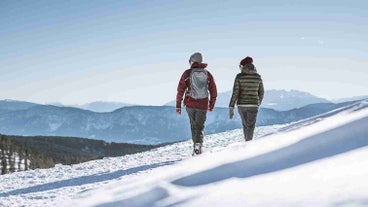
x,y
184,84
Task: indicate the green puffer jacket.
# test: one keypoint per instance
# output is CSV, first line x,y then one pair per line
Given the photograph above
x,y
248,88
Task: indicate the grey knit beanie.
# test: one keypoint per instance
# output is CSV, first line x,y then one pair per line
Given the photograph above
x,y
196,58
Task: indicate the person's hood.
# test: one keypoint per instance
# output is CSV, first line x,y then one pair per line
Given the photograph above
x,y
249,68
198,65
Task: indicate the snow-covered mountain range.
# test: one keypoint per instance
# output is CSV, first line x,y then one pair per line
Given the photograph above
x,y
283,100
319,161
355,98
97,106
136,124
280,100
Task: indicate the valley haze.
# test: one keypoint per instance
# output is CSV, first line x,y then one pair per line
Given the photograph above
x,y
133,124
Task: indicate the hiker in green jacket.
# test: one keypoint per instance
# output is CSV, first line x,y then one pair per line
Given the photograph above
x,y
248,95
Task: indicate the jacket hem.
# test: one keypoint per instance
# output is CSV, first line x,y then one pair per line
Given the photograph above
x,y
247,105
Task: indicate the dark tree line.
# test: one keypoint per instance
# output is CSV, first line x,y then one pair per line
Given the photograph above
x,y
14,157
20,153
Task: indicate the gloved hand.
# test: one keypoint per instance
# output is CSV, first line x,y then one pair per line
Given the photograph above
x,y
178,111
231,112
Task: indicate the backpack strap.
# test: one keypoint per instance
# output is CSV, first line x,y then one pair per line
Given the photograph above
x,y
189,72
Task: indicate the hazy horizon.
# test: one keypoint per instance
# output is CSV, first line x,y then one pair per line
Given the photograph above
x,y
77,52
173,99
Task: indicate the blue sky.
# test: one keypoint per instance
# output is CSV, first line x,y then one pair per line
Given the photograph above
x,y
135,51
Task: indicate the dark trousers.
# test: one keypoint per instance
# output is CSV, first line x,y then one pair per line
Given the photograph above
x,y
197,117
249,117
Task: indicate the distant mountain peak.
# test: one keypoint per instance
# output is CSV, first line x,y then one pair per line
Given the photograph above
x,y
103,106
290,92
97,106
278,99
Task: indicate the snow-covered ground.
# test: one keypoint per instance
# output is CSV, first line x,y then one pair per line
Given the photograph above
x,y
320,161
48,187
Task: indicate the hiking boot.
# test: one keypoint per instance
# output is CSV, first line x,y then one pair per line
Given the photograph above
x,y
198,148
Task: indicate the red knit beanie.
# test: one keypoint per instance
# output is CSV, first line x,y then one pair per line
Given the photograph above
x,y
246,60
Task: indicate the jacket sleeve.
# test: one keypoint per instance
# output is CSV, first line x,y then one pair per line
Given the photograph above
x,y
235,94
182,87
260,92
213,90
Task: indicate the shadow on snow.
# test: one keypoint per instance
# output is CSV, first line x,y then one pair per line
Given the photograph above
x,y
332,142
84,180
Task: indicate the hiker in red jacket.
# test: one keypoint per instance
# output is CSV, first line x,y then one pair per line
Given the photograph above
x,y
198,88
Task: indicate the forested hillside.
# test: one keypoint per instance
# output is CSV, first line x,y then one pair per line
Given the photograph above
x,y
23,153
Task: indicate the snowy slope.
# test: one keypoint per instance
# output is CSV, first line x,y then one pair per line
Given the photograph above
x,y
316,162
49,187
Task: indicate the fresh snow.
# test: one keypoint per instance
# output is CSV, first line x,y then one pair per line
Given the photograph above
x,y
320,161
49,187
